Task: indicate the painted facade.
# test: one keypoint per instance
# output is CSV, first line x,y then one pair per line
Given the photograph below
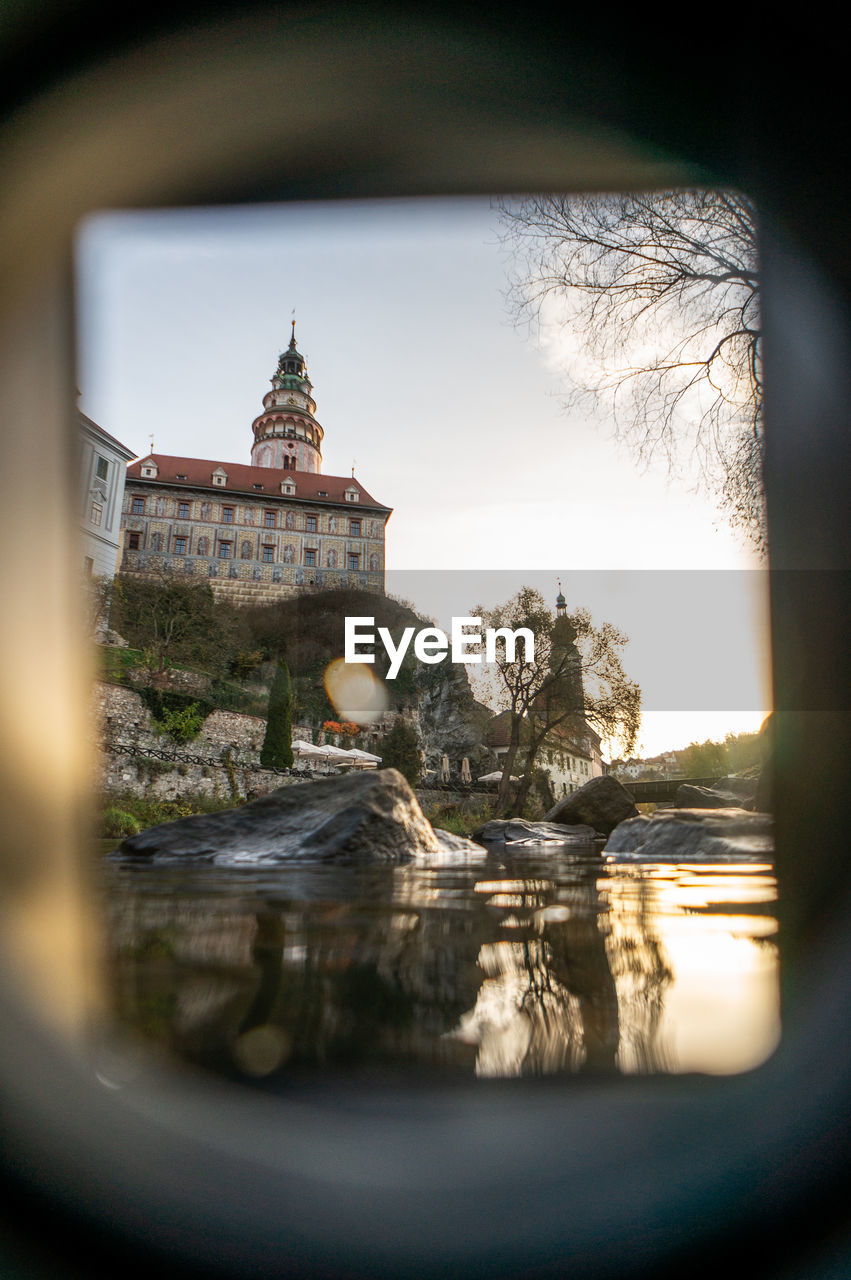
x,y
257,531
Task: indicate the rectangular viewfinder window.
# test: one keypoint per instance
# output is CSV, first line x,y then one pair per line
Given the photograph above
x,y
549,617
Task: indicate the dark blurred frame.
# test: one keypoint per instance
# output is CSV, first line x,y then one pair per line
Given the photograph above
x,y
637,1177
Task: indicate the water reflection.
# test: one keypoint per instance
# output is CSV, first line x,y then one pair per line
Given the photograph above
x,y
534,961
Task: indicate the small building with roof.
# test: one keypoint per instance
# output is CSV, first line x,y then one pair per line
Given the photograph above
x,y
260,530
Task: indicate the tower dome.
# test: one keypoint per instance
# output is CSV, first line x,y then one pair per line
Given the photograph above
x,y
286,434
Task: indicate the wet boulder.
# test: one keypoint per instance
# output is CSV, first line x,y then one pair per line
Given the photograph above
x,y
602,803
518,830
737,793
693,835
366,817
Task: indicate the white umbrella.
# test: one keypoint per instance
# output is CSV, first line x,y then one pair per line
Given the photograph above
x,y
495,777
338,755
444,768
363,759
465,771
302,748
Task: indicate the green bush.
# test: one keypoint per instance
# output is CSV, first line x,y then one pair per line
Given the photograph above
x,y
181,724
400,749
116,822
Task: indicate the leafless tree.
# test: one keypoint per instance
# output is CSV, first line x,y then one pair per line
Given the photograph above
x,y
657,296
575,679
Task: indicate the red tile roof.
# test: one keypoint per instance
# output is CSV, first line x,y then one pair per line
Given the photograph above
x,y
198,472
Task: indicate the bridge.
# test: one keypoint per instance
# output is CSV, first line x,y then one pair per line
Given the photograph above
x,y
663,790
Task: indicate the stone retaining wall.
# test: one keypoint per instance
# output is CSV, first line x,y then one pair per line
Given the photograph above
x,y
222,761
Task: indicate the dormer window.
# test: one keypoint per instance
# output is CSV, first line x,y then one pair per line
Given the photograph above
x,y
257,486
220,476
288,486
181,475
322,493
352,494
149,470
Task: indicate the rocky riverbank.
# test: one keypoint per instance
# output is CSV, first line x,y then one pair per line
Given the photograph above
x,y
376,818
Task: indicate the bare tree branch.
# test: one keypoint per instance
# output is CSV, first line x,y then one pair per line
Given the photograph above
x,y
659,295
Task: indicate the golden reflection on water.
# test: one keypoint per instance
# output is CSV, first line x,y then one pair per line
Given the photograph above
x,y
527,964
716,1006
695,976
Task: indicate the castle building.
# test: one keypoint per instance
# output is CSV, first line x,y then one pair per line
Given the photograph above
x,y
260,530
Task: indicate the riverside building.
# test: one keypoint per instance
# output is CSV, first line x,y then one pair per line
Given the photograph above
x,y
260,530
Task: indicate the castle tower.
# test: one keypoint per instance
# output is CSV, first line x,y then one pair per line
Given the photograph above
x,y
286,434
565,655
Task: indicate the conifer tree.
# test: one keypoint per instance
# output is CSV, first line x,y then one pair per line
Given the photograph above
x,y
277,751
400,750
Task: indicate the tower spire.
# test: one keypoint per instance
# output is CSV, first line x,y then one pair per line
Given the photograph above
x,y
287,435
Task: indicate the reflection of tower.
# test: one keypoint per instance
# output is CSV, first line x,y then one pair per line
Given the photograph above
x,y
286,433
565,657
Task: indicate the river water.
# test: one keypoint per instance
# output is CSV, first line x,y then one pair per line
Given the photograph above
x,y
533,960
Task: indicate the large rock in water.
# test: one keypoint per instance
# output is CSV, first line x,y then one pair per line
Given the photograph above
x,y
601,803
365,817
692,835
727,793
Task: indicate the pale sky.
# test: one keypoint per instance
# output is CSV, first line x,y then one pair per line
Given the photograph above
x,y
451,415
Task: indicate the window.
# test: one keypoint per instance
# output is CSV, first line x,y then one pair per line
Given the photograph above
x,y
257,486
96,513
225,550
180,546
227,515
354,561
311,523
269,519
322,493
183,510
133,541
101,468
138,506
354,528
268,554
88,566
310,559
181,475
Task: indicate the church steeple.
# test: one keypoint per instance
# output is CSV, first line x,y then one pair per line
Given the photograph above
x,y
287,435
